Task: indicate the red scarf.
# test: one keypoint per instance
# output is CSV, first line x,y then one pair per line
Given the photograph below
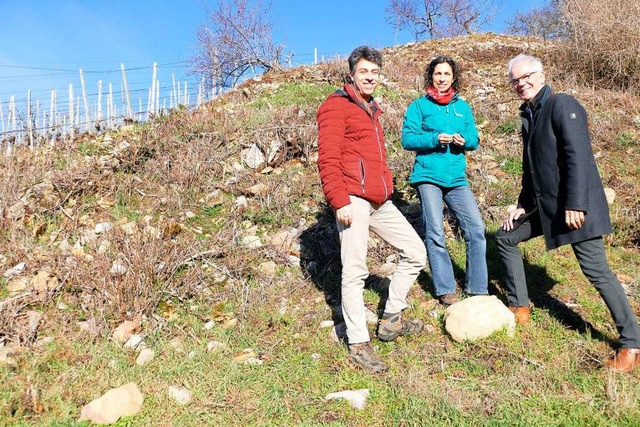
x,y
441,98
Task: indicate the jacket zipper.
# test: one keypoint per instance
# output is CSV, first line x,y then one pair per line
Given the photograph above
x,y
384,182
362,174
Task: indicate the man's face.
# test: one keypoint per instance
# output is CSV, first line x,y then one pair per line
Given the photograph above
x,y
526,80
365,77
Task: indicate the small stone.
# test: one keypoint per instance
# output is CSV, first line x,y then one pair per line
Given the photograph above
x,y
268,269
146,355
610,194
14,271
326,324
133,342
209,325
125,330
17,285
177,345
253,361
103,227
241,201
252,242
230,324
214,345
372,318
117,269
180,395
247,353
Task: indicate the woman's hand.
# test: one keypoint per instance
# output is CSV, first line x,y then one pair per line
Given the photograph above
x,y
445,138
458,139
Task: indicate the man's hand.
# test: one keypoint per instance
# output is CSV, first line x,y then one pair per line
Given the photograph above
x,y
573,219
507,224
344,215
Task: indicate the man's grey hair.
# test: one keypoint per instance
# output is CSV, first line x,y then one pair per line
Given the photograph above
x,y
531,60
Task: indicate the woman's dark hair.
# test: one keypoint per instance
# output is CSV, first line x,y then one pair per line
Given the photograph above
x,y
364,52
428,74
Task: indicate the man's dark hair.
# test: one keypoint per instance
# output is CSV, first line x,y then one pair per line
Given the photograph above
x,y
428,74
364,52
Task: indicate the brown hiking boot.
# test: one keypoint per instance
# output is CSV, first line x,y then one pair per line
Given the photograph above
x,y
521,313
364,355
395,326
448,299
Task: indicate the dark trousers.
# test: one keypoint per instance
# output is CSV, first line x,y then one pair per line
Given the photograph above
x,y
593,263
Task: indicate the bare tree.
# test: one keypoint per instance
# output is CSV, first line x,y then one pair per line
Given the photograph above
x,y
547,22
419,16
469,16
439,18
237,39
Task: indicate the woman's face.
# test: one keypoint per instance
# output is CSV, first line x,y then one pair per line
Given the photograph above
x,y
442,77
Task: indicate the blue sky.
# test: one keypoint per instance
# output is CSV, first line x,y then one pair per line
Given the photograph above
x,y
43,43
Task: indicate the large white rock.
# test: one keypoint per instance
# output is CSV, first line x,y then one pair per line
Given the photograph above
x,y
478,317
119,402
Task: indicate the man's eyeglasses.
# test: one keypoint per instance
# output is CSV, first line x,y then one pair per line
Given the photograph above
x,y
523,78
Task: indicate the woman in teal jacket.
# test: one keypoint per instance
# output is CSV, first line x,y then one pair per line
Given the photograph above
x,y
440,128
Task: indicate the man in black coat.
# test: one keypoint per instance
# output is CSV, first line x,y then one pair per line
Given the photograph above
x,y
562,198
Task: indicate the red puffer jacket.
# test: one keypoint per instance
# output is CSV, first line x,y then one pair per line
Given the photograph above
x,y
352,157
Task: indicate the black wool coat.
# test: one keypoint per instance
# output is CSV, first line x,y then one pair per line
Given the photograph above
x,y
559,171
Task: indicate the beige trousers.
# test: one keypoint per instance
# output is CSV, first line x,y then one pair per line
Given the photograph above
x,y
387,222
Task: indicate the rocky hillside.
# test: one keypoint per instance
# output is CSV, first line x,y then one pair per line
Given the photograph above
x,y
208,200
223,205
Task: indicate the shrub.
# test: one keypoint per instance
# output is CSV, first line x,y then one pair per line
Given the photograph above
x,y
604,41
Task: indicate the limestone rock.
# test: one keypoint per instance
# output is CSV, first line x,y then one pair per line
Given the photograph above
x,y
478,317
119,402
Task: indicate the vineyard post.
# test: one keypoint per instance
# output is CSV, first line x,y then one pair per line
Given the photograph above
x,y
126,91
99,113
29,119
71,111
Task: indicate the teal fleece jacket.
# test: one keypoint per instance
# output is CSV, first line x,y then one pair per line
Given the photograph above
x,y
436,163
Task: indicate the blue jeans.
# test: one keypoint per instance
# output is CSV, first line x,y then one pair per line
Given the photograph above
x,y
461,202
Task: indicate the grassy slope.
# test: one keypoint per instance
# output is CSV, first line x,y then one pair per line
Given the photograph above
x,y
186,267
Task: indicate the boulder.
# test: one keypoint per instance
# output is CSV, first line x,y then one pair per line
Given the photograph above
x,y
478,317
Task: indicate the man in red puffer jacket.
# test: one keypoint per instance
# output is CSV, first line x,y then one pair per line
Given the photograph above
x,y
358,185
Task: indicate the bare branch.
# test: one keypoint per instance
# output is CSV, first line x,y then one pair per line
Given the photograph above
x,y
236,40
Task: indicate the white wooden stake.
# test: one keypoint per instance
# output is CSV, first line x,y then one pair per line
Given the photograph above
x,y
173,92
87,116
29,119
152,100
99,113
53,117
156,108
77,113
186,94
126,91
72,121
110,114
